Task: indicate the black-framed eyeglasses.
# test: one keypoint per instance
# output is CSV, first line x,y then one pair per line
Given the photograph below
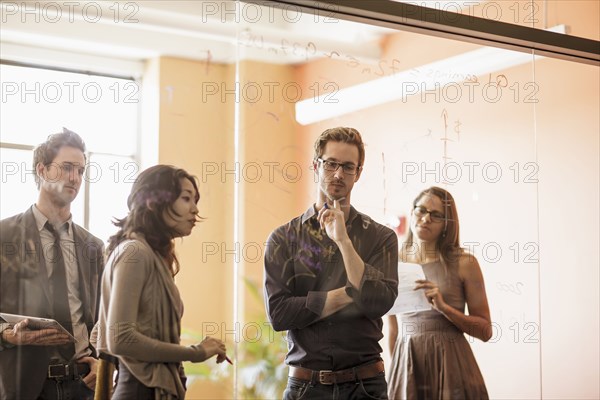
x,y
332,166
435,216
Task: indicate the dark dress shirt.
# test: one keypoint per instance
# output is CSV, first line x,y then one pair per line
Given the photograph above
x,y
302,264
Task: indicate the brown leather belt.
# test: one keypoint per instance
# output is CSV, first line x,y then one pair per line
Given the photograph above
x,y
326,377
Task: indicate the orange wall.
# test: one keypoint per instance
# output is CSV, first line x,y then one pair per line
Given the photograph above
x,y
568,143
273,162
194,133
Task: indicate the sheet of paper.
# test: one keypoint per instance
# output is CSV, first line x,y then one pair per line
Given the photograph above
x,y
409,300
36,323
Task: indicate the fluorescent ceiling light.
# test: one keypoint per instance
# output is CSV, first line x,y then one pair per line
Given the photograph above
x,y
403,84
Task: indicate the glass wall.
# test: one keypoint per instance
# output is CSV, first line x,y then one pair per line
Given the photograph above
x,y
237,93
489,125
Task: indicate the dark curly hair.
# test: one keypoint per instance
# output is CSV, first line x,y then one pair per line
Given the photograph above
x,y
154,192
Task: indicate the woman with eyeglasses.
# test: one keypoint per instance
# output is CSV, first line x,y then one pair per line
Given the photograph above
x,y
431,358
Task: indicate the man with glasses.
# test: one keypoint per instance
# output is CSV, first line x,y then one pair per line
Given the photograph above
x,y
330,275
49,268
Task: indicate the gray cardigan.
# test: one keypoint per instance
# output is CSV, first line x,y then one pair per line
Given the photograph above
x,y
140,318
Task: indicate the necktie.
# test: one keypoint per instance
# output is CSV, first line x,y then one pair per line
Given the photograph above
x,y
60,300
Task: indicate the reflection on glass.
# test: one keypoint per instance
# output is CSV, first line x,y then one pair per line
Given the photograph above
x,y
433,112
510,148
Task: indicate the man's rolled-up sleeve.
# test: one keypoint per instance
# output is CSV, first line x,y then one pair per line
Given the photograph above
x,y
378,287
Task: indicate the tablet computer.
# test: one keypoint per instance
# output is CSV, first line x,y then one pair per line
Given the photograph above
x,y
36,323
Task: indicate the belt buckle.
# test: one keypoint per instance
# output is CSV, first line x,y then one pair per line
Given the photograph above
x,y
322,377
58,370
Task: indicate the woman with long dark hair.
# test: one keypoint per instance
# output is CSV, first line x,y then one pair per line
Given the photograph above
x,y
141,309
431,359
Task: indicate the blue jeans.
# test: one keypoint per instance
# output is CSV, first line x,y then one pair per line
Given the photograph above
x,y
370,388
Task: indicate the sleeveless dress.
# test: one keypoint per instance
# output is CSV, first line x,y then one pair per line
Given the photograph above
x,y
432,358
